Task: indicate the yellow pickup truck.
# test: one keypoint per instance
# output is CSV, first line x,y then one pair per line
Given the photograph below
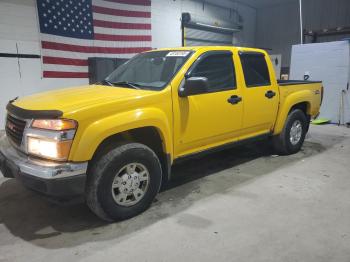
x,y
115,142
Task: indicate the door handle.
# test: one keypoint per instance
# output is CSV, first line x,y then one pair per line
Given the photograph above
x,y
234,100
270,94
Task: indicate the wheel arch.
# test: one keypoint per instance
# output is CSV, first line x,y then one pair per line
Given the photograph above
x,y
150,136
299,100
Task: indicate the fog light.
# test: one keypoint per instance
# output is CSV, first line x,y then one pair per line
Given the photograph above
x,y
51,149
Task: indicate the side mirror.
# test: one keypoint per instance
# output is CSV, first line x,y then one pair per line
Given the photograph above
x,y
194,86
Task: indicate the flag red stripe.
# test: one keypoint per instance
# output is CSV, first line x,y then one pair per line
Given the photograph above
x,y
93,49
131,2
118,25
117,12
123,37
57,74
64,61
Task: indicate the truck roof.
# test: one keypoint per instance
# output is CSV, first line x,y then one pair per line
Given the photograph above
x,y
196,48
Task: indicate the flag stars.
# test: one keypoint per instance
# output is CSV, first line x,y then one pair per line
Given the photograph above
x,y
67,18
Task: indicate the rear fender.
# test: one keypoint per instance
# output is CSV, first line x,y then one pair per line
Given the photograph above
x,y
304,96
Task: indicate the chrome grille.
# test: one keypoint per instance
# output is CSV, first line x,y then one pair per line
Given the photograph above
x,y
14,129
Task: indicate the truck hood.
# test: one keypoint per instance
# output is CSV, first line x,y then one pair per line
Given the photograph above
x,y
76,98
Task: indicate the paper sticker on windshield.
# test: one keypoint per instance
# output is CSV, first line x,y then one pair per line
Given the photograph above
x,y
178,53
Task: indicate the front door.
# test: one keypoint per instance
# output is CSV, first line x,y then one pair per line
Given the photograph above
x,y
211,118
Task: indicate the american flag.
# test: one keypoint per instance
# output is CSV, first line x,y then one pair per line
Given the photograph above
x,y
74,30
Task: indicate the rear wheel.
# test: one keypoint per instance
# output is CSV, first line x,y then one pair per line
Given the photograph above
x,y
291,139
123,182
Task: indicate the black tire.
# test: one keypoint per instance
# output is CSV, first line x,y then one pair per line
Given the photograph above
x,y
282,142
99,195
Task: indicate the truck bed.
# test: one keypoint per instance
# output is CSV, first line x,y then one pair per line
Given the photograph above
x,y
310,91
295,82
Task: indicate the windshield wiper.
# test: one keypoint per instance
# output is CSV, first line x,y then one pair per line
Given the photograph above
x,y
127,83
103,82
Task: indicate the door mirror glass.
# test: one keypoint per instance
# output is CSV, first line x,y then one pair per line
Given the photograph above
x,y
194,85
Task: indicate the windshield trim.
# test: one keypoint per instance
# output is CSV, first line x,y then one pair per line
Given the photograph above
x,y
151,88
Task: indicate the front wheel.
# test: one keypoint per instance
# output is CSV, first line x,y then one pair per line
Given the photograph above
x,y
123,182
291,139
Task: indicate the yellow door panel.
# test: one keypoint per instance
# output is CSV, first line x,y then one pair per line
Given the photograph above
x,y
213,118
207,119
261,94
260,112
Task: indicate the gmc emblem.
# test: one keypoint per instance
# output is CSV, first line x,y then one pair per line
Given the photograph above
x,y
11,126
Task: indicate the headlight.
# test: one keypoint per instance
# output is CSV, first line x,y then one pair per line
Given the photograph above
x,y
51,139
55,124
51,149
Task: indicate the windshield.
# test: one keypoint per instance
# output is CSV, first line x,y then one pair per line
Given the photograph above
x,y
151,70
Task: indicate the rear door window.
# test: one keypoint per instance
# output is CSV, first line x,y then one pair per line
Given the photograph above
x,y
255,70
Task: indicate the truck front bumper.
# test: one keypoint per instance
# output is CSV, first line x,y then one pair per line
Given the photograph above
x,y
58,180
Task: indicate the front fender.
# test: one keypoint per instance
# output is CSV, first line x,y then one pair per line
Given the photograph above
x,y
286,105
94,134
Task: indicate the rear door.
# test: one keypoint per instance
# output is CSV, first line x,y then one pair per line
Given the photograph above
x,y
261,95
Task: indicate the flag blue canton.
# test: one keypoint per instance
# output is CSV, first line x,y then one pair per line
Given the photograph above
x,y
70,18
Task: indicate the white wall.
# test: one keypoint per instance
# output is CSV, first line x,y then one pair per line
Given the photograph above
x,y
20,77
19,29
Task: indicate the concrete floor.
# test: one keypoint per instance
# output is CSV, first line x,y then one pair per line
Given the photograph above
x,y
237,205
